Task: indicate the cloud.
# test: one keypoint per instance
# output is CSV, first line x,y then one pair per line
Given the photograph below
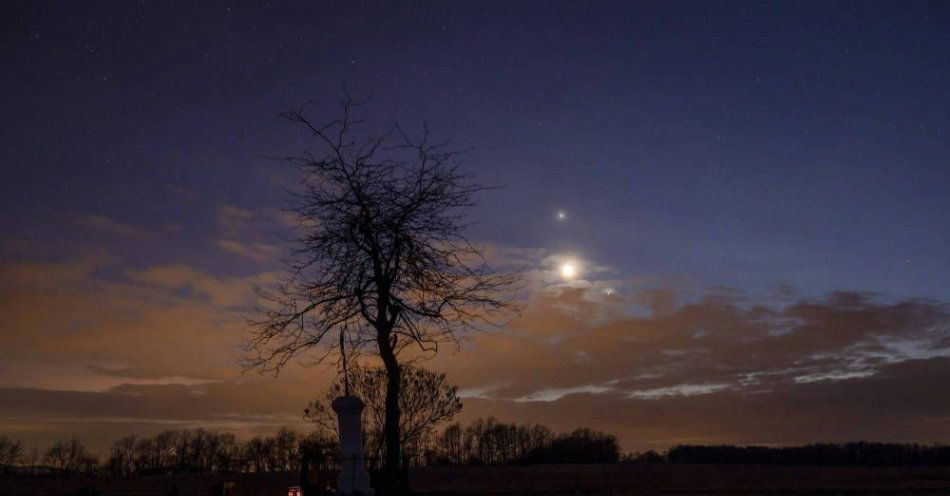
x,y
226,291
678,390
107,225
141,349
164,320
556,394
251,233
158,346
246,407
232,220
720,356
260,252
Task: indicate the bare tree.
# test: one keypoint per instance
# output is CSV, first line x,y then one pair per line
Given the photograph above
x,y
287,447
11,455
163,450
426,399
121,460
490,442
449,444
70,457
382,259
256,452
33,459
228,457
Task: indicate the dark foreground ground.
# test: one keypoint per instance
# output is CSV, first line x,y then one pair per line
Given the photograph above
x,y
658,479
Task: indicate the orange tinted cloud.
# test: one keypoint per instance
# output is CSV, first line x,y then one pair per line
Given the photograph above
x,y
158,346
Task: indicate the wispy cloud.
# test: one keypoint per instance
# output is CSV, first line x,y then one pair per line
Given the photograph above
x,y
253,234
108,225
649,365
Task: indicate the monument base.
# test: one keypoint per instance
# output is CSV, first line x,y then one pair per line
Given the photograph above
x,y
353,478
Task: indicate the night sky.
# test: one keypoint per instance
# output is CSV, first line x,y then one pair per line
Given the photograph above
x,y
754,197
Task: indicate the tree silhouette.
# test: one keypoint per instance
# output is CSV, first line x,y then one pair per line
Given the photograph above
x,y
11,454
70,457
382,259
426,399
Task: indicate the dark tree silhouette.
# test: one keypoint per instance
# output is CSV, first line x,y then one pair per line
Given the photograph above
x,y
580,446
425,400
121,460
70,457
11,454
382,259
490,442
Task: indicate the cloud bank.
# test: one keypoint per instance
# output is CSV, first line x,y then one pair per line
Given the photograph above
x,y
98,349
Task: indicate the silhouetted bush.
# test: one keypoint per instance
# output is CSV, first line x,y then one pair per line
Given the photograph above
x,y
489,442
580,446
650,456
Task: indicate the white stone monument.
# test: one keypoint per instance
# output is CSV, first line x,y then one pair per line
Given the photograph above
x,y
353,478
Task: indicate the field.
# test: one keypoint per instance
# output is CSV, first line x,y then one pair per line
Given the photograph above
x,y
660,479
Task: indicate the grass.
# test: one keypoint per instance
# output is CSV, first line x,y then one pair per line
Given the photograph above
x,y
658,479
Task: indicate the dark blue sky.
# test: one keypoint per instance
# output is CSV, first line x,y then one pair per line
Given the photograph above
x,y
743,144
767,147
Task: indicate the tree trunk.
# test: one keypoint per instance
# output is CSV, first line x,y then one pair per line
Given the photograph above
x,y
393,480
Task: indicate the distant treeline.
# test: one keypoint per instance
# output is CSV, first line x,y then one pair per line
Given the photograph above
x,y
860,453
483,442
489,442
201,451
173,452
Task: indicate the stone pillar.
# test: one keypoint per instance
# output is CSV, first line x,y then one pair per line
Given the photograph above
x,y
353,478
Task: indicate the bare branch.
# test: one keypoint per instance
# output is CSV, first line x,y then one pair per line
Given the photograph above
x,y
381,255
